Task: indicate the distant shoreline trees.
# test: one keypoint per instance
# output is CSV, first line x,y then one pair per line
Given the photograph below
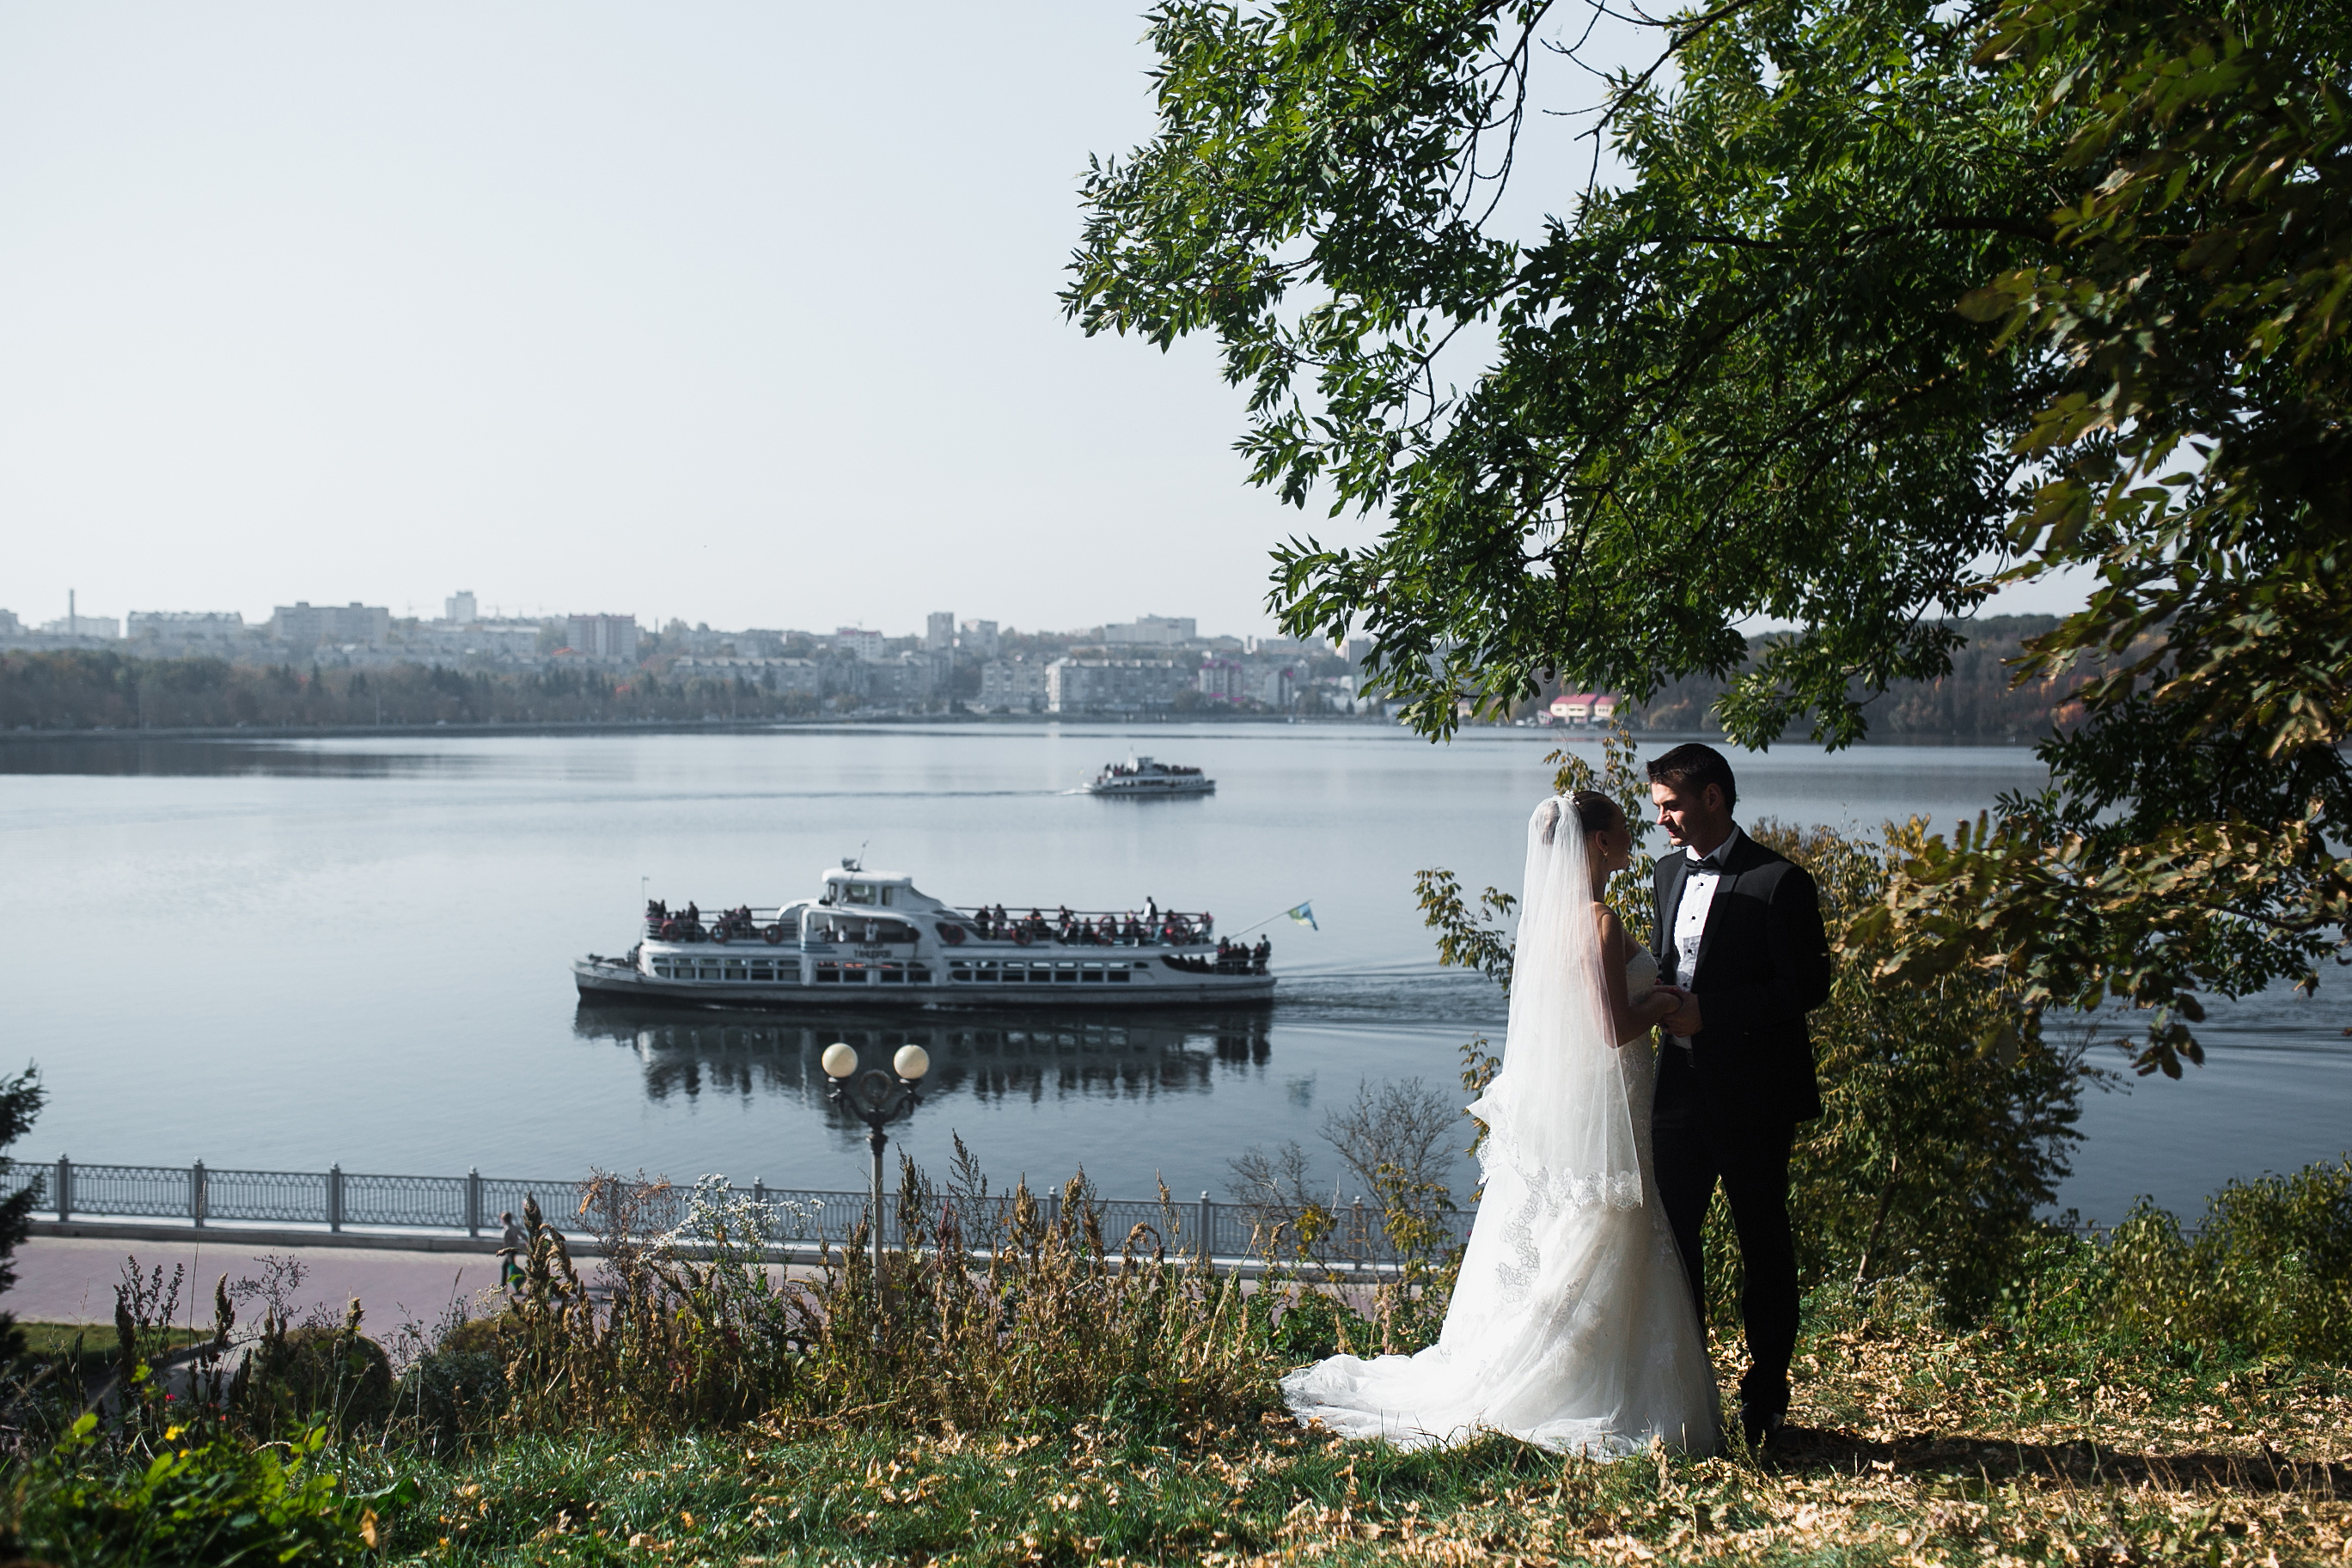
x,y
81,690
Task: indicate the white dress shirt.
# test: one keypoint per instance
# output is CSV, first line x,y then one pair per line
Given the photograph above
x,y
1699,884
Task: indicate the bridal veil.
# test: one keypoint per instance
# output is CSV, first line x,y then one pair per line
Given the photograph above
x,y
1559,1113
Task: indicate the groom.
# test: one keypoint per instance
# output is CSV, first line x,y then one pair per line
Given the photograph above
x,y
1740,928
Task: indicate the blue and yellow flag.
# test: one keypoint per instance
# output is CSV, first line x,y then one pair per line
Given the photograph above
x,y
1305,915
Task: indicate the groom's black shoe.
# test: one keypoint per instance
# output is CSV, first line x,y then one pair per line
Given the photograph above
x,y
1761,1427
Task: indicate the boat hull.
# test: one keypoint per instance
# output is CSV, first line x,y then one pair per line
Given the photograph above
x,y
1152,789
1159,985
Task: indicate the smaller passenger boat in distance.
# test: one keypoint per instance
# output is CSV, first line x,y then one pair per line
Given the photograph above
x,y
1140,778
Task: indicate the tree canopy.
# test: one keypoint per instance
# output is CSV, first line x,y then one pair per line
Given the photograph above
x,y
1893,303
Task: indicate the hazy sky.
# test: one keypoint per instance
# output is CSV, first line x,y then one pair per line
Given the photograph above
x,y
743,313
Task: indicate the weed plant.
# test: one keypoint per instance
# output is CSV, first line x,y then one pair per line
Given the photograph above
x,y
997,1315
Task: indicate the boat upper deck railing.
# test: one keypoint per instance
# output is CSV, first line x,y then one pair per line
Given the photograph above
x,y
694,923
987,921
1091,925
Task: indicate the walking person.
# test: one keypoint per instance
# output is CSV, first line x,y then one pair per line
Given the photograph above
x,y
1738,930
512,1244
1571,1324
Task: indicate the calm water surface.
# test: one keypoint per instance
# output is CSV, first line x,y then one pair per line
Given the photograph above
x,y
282,954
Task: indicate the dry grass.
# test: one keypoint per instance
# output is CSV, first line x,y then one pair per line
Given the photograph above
x,y
1911,1446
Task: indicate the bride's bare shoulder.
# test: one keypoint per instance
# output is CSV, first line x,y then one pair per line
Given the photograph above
x,y
1611,928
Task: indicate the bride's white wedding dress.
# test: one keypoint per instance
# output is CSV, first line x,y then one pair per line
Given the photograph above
x,y
1570,1325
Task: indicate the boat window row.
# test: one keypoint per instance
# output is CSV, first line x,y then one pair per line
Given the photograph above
x,y
770,971
1011,972
975,972
787,971
827,974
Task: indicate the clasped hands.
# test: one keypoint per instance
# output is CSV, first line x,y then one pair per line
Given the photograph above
x,y
1672,1007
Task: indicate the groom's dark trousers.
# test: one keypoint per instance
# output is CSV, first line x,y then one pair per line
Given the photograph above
x,y
1728,1104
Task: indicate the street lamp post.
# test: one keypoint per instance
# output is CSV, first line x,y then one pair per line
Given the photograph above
x,y
877,1099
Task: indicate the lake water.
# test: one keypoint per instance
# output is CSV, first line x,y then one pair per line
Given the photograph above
x,y
280,955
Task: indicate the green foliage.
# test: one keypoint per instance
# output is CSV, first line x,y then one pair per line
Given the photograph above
x,y
2196,448
2267,1275
212,1498
2201,294
1303,1324
314,1373
21,1098
458,1389
1733,385
1892,306
1947,1111
1464,937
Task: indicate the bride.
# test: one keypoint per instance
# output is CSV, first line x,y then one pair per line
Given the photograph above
x,y
1571,1324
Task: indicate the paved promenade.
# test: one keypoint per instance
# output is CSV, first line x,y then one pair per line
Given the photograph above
x,y
71,1280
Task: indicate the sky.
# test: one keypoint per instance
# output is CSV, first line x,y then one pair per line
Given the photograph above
x,y
736,313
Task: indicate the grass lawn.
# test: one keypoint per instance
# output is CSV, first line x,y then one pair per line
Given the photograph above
x,y
92,1344
1911,1448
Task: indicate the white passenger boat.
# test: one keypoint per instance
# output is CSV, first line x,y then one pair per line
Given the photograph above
x,y
1140,777
872,939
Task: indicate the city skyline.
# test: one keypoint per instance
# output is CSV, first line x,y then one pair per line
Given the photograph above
x,y
1146,627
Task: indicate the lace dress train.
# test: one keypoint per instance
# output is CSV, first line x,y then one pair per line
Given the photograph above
x,y
1570,1325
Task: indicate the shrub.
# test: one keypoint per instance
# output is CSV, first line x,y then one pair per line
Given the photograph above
x,y
1305,1324
209,1499
2269,1274
20,1101
1948,1112
457,1390
313,1373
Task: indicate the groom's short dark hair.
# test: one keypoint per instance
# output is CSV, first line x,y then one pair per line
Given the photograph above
x,y
1695,766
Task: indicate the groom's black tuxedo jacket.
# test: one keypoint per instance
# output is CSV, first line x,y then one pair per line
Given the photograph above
x,y
1763,964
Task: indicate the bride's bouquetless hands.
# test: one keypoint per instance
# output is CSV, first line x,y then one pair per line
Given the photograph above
x,y
1684,1020
1662,1003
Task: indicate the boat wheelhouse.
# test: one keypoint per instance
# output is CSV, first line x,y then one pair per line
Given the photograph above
x,y
1141,777
871,937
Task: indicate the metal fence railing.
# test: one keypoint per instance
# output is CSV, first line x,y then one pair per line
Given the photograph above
x,y
335,1200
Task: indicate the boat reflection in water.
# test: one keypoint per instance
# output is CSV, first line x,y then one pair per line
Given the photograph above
x,y
1118,1053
